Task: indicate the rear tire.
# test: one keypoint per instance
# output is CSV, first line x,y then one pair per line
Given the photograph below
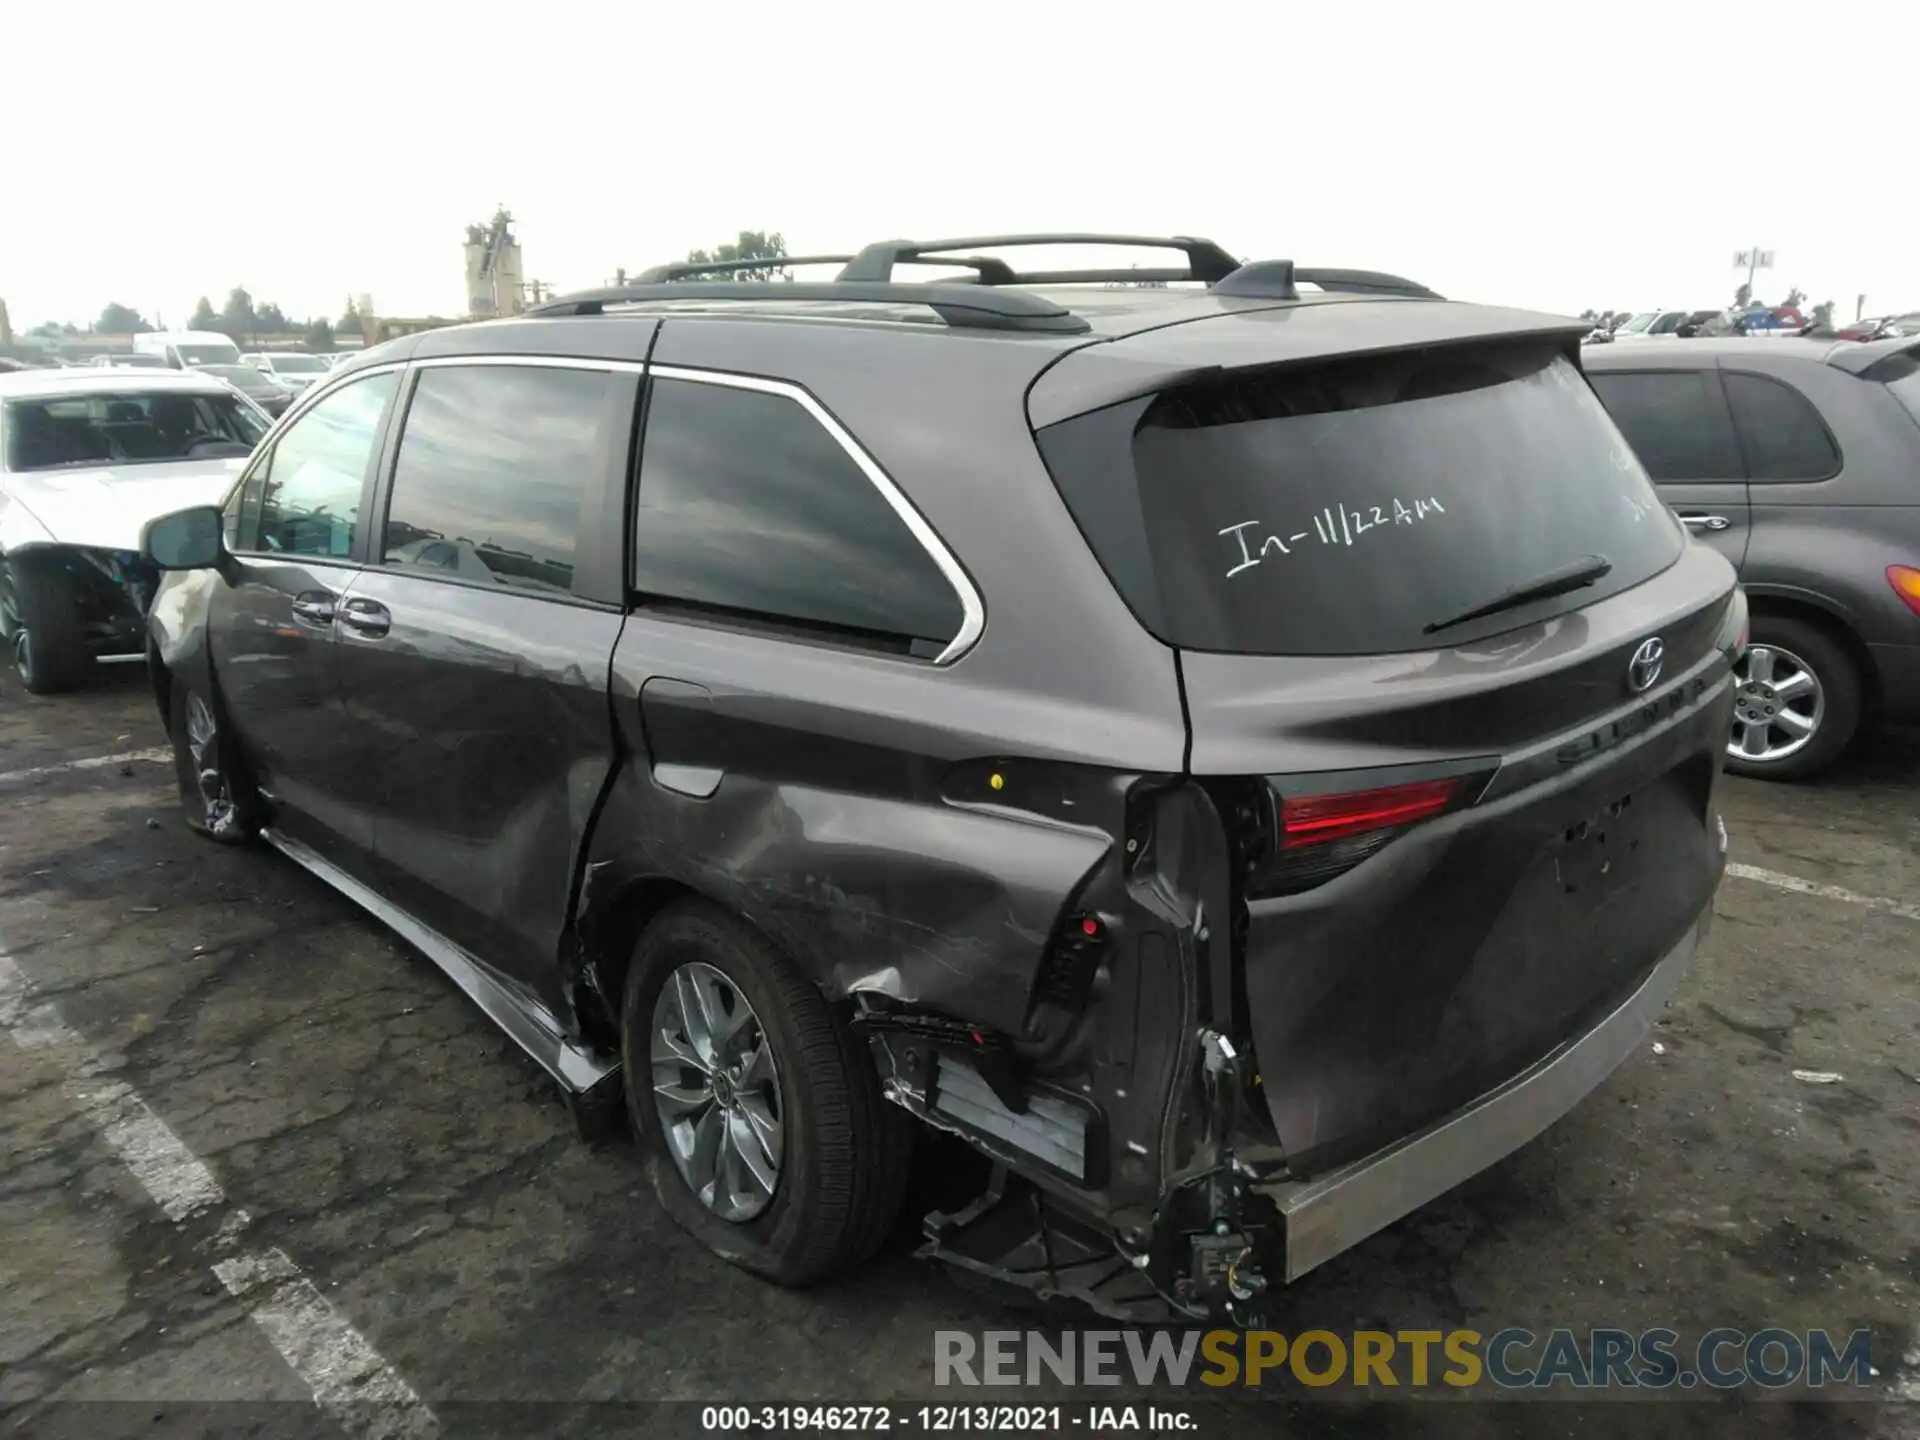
x,y
215,796
1791,646
770,1048
45,636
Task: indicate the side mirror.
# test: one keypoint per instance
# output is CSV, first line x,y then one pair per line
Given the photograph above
x,y
186,540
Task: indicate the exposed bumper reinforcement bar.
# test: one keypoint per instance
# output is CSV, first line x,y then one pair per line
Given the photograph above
x,y
1336,1211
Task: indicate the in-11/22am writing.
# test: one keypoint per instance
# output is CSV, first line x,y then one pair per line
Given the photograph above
x,y
1334,525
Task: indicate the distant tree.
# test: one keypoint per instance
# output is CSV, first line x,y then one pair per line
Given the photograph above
x,y
1743,297
269,320
236,316
319,334
1592,317
203,316
752,245
117,319
1795,298
1823,313
349,321
47,330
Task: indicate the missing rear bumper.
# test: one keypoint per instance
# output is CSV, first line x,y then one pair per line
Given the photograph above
x,y
1333,1212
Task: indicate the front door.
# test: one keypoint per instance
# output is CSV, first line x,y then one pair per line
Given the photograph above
x,y
474,650
298,540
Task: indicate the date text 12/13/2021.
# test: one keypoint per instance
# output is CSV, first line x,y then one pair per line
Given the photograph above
x,y
1340,524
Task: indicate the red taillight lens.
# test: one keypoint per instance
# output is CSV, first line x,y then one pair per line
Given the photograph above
x,y
1906,584
1320,819
1313,838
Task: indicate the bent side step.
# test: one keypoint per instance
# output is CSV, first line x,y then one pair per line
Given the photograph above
x,y
589,1080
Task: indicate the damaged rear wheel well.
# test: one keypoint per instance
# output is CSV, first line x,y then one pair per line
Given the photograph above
x,y
607,951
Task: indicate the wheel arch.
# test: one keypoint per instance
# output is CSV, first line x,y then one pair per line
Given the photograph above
x,y
613,912
1810,610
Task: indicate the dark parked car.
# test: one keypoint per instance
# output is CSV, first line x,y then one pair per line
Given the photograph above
x,y
258,386
1798,460
1242,756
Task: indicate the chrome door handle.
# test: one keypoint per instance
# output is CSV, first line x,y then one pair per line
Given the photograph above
x,y
1706,522
366,617
314,609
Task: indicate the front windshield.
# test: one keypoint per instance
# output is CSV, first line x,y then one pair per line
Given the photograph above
x,y
129,427
207,354
1639,323
138,362
299,364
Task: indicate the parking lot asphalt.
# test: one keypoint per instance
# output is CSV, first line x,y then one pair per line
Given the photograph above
x,y
255,1151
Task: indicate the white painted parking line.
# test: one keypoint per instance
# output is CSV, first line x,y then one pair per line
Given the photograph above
x,y
1798,886
346,1376
93,762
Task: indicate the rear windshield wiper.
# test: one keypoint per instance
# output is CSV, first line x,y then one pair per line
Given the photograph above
x,y
1575,575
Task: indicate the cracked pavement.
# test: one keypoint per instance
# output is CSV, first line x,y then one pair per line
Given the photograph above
x,y
378,1131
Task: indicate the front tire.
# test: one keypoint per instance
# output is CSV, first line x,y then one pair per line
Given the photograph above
x,y
757,1109
40,617
214,795
1798,700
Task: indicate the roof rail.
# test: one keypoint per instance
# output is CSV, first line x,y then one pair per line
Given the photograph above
x,y
687,269
989,271
1206,261
1366,282
964,306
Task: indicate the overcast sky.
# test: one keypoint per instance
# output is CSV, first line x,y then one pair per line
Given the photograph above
x,y
1550,155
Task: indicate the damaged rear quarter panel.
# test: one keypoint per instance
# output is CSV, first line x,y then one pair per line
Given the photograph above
x,y
849,815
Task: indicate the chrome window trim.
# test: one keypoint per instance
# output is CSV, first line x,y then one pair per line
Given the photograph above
x,y
533,362
973,610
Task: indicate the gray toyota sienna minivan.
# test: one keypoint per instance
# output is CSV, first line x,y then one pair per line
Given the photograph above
x,y
1240,754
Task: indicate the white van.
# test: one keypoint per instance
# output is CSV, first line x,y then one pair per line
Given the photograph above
x,y
188,349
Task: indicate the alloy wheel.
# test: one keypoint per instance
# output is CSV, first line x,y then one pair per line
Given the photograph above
x,y
210,773
716,1090
1778,704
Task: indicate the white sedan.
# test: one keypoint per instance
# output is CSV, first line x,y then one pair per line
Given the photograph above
x,y
87,457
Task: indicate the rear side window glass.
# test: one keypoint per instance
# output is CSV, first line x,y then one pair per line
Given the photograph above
x,y
1780,432
308,490
1674,420
748,505
1345,509
493,466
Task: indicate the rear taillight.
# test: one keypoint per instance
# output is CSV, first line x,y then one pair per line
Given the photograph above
x,y
1322,819
1316,837
1906,584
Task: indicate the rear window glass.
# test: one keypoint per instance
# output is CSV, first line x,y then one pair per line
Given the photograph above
x,y
1344,509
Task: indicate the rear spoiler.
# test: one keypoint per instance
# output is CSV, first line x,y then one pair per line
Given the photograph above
x,y
1859,359
1132,366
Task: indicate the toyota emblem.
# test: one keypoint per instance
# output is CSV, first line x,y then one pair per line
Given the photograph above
x,y
1644,668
